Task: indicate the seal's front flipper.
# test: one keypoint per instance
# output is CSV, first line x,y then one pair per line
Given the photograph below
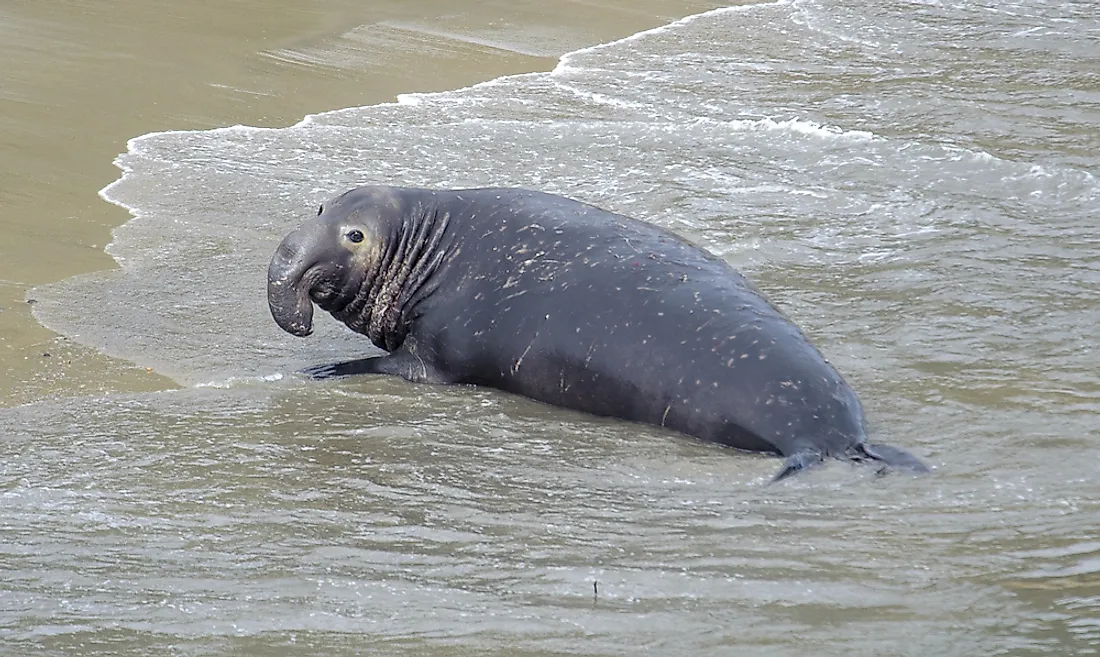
x,y
894,457
347,368
797,462
398,363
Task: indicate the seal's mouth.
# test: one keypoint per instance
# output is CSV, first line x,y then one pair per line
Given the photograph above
x,y
322,295
326,292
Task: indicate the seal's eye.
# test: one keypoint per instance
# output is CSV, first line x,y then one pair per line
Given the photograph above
x,y
355,236
320,209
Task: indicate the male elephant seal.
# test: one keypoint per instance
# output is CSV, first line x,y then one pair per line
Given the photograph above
x,y
571,305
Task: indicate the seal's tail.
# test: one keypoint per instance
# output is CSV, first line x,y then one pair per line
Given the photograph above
x,y
891,457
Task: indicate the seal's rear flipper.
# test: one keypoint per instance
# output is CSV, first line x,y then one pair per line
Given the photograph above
x,y
894,457
797,462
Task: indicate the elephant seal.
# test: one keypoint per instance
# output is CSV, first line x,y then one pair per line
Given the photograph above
x,y
571,305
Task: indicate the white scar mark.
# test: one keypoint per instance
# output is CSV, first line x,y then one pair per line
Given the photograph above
x,y
414,352
519,361
667,409
588,356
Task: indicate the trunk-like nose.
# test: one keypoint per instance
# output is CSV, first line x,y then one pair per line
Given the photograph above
x,y
287,289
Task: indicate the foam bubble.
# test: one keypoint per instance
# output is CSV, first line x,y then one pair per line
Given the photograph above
x,y
237,380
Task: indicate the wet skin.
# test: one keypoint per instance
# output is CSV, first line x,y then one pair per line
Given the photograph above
x,y
568,304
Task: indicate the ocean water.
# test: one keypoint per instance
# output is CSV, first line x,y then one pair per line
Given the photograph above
x,y
913,183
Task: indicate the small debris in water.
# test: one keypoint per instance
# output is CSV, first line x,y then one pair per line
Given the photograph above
x,y
45,354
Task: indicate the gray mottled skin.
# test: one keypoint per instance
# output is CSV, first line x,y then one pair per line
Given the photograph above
x,y
571,305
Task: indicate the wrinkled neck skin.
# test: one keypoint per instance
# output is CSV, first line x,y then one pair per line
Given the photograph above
x,y
399,276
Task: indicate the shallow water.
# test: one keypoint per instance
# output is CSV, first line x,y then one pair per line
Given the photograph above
x,y
913,184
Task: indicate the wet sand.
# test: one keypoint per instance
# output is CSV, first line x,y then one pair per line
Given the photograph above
x,y
79,80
